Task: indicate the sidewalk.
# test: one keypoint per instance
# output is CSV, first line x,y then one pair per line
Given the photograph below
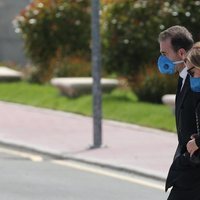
x,y
126,147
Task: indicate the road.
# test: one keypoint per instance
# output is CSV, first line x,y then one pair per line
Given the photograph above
x,y
27,176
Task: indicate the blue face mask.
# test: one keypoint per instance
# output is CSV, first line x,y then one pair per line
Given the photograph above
x,y
195,84
166,66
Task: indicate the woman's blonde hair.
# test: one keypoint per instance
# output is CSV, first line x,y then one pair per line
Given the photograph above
x,y
193,55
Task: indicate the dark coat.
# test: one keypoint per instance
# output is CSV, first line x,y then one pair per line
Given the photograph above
x,y
182,173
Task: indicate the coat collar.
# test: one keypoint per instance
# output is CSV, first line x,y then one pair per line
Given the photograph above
x,y
181,95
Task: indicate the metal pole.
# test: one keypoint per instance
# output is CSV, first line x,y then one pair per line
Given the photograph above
x,y
96,73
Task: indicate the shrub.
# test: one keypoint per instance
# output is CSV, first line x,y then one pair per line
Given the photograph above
x,y
130,30
74,66
150,85
129,39
52,30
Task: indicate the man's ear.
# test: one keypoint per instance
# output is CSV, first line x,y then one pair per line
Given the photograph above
x,y
182,53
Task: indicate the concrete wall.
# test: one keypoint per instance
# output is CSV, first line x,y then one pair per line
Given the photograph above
x,y
11,46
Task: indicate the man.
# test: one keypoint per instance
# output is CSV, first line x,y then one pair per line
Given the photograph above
x,y
183,177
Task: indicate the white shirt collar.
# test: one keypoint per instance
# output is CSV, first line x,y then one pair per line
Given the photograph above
x,y
183,73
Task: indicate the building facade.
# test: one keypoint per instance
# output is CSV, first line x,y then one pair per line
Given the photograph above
x,y
11,45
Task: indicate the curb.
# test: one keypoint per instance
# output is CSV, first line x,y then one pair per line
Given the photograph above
x,y
141,172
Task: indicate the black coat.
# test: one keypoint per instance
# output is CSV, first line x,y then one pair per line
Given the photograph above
x,y
182,173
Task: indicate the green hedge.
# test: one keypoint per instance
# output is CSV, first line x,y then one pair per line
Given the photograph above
x,y
52,30
150,85
130,30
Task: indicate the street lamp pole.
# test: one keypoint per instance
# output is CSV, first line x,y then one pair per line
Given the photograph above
x,y
96,73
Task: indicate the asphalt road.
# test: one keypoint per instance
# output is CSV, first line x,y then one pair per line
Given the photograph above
x,y
26,176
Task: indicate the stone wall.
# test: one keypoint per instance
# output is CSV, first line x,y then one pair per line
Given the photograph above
x,y
11,46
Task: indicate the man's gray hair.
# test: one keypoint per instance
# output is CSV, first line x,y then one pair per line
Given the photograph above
x,y
180,37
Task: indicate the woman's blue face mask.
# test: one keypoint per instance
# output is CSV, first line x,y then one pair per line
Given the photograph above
x,y
195,84
194,81
166,66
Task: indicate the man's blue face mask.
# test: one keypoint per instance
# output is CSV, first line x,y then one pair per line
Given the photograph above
x,y
166,66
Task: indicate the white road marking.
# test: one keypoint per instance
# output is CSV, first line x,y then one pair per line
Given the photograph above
x,y
32,157
110,174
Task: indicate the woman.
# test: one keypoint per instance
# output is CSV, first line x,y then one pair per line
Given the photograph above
x,y
192,62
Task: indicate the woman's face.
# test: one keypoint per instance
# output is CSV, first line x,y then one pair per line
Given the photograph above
x,y
192,70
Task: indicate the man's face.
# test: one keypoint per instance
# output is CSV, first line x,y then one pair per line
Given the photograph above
x,y
167,50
